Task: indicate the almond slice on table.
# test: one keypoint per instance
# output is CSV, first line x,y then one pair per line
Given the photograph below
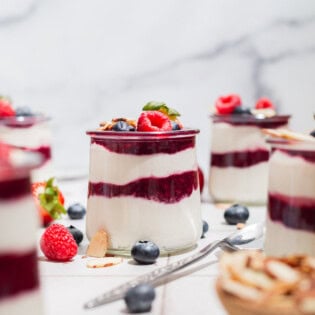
x,y
98,244
104,262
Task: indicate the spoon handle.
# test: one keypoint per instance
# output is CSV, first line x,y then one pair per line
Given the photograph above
x,y
151,277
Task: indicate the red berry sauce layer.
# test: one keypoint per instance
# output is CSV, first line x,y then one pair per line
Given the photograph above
x,y
13,276
293,212
15,188
239,159
135,146
308,156
170,189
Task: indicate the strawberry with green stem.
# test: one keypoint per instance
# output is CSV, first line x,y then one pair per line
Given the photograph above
x,y
49,201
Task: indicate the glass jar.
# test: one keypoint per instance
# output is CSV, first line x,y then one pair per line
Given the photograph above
x,y
19,279
144,186
239,158
290,226
30,133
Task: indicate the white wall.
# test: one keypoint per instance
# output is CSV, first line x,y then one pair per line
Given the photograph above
x,y
85,61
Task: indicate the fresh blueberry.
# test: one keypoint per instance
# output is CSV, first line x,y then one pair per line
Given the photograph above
x,y
236,214
139,298
205,228
312,133
175,125
24,111
240,110
76,233
122,126
145,252
76,211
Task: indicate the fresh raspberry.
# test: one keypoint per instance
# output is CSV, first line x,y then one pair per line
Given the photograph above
x,y
58,244
153,121
6,109
263,103
226,104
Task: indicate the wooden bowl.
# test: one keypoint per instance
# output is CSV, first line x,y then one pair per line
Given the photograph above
x,y
274,306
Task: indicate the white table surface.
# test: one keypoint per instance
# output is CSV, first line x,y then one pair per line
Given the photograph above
x,y
66,286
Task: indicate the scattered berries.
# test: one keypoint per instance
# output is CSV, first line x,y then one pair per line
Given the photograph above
x,y
145,252
226,104
153,121
49,201
236,214
139,298
58,244
76,233
312,133
6,109
201,179
205,228
76,211
264,103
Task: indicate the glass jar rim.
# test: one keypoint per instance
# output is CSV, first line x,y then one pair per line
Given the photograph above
x,y
249,118
22,121
142,135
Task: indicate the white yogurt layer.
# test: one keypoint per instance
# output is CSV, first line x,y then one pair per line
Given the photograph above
x,y
18,225
24,303
291,175
228,138
246,184
30,137
282,240
131,167
128,220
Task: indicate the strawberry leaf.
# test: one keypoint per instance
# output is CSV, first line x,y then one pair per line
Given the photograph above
x,y
49,200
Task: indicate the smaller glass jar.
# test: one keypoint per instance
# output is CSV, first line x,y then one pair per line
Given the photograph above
x,y
144,186
239,157
290,227
19,278
33,134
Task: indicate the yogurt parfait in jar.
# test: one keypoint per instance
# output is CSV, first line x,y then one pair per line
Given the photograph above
x,y
239,154
143,182
29,131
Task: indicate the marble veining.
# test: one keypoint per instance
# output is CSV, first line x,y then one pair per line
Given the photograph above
x,y
83,62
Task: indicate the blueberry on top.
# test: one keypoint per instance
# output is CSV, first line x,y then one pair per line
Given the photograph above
x,y
76,211
175,125
24,111
122,126
145,252
236,214
240,110
312,133
139,298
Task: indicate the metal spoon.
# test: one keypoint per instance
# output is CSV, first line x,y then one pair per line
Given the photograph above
x,y
241,237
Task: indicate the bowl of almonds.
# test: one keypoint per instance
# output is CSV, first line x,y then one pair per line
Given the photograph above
x,y
251,283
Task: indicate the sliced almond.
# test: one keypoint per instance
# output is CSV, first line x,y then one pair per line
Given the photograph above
x,y
98,244
240,290
104,262
281,271
306,303
287,134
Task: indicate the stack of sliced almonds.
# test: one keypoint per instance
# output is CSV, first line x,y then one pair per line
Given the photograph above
x,y
251,283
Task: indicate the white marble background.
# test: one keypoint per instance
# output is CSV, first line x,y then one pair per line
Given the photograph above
x,y
84,61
